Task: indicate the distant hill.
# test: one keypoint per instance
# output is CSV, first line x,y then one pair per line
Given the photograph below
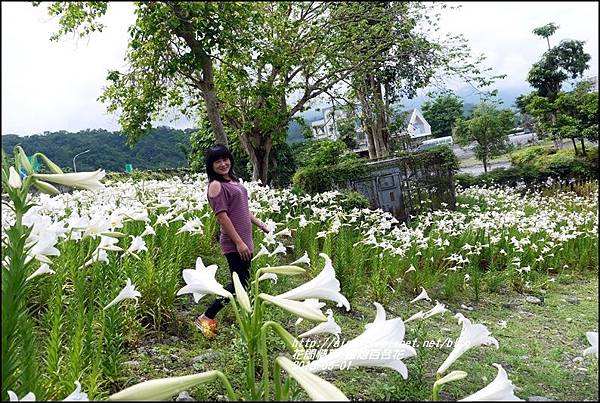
x,y
108,150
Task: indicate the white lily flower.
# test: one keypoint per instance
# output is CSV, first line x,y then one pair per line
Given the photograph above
x,y
312,302
411,268
30,397
500,389
279,249
380,345
284,232
422,295
99,255
44,247
325,327
452,376
202,281
304,259
148,230
269,239
502,324
44,269
77,395
137,244
262,252
14,179
418,315
438,308
593,339
271,276
164,388
316,387
302,309
109,243
240,293
128,292
324,286
470,336
81,180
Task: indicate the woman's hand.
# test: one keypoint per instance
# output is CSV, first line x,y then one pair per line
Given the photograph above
x,y
243,250
264,228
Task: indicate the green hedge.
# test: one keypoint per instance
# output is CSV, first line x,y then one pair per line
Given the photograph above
x,y
536,164
314,180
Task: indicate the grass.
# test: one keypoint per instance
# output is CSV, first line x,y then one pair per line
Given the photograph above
x,y
538,348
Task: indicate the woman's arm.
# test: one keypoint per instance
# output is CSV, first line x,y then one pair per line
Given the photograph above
x,y
259,223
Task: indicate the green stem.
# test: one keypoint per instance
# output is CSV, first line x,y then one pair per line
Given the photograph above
x,y
265,357
230,393
277,381
239,318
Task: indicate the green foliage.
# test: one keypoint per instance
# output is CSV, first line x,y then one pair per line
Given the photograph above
x,y
488,127
442,112
351,199
316,179
536,164
108,150
318,153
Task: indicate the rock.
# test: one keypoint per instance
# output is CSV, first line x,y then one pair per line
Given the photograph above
x,y
132,363
538,399
577,359
446,397
209,356
509,305
569,320
184,397
468,308
573,301
174,339
173,357
525,313
533,300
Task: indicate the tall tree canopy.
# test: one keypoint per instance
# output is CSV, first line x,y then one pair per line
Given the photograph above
x,y
252,66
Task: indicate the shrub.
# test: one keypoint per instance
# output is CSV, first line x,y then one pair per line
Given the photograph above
x,y
324,178
525,155
352,199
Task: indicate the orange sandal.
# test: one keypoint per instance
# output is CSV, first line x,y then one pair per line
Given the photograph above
x,y
207,326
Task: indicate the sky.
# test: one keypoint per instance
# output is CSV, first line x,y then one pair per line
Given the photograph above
x,y
51,86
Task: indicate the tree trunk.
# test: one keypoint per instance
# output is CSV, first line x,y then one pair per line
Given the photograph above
x,y
484,165
258,146
381,119
210,97
574,145
583,147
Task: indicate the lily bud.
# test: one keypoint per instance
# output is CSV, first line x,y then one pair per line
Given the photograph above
x,y
14,179
23,160
45,187
240,293
55,169
164,388
316,387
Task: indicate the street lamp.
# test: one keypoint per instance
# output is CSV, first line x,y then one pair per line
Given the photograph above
x,y
74,167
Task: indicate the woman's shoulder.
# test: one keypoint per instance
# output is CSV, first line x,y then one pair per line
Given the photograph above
x,y
214,188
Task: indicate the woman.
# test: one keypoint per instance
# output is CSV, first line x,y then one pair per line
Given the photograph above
x,y
229,201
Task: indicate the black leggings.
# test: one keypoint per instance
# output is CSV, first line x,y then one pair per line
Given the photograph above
x,y
242,268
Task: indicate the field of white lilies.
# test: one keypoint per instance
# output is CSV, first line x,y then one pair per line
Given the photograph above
x,y
86,273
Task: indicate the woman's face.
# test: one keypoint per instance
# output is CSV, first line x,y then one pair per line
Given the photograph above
x,y
221,166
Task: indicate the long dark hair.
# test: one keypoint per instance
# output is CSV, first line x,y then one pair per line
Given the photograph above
x,y
215,153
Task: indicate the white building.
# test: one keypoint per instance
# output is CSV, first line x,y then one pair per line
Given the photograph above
x,y
594,81
415,125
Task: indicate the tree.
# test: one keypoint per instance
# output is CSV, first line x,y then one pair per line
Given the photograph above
x,y
407,59
489,128
577,115
442,112
170,57
567,60
546,31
